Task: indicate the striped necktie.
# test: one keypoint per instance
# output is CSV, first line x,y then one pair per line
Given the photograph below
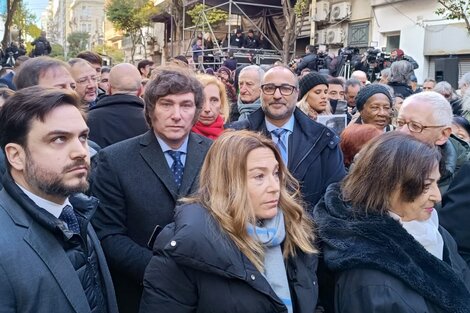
x,y
281,146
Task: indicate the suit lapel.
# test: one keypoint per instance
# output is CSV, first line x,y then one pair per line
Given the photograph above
x,y
153,155
194,159
53,255
301,142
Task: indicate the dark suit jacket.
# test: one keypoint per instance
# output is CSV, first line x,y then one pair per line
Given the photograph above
x,y
36,274
455,212
315,159
137,192
115,118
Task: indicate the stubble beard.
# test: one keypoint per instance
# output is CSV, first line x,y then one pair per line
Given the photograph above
x,y
51,183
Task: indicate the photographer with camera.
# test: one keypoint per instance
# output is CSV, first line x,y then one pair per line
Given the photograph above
x,y
399,55
314,60
373,62
346,61
307,61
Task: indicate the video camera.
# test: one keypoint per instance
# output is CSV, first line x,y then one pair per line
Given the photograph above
x,y
349,52
321,61
377,56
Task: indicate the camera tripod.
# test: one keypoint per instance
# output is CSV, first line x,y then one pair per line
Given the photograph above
x,y
345,70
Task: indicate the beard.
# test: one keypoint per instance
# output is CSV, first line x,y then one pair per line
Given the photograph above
x,y
52,183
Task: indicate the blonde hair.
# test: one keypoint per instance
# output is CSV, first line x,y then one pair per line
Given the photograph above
x,y
307,109
223,192
206,80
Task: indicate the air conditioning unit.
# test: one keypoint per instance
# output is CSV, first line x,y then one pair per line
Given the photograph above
x,y
321,12
340,11
304,28
321,37
334,36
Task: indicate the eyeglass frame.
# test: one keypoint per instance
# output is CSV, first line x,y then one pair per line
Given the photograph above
x,y
278,87
423,127
88,79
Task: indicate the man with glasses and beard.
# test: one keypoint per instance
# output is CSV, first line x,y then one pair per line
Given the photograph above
x,y
309,149
50,256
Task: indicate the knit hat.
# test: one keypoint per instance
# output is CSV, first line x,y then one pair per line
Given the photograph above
x,y
368,91
224,69
309,81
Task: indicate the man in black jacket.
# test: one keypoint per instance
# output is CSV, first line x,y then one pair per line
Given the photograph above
x,y
251,41
139,180
454,214
50,257
41,46
307,61
310,150
120,115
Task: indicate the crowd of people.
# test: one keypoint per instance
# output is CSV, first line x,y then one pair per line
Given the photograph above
x,y
158,189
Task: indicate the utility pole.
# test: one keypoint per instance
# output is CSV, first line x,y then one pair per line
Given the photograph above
x,y
313,9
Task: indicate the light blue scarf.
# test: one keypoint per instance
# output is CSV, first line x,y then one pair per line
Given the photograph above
x,y
271,235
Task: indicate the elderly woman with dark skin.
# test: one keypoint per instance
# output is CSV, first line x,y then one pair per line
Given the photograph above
x,y
375,104
242,244
215,110
381,234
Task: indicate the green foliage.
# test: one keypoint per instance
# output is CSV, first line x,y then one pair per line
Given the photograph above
x,y
57,50
214,16
117,55
33,31
25,21
453,9
77,42
301,8
130,15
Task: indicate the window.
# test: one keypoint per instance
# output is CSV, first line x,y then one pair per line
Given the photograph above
x,y
358,34
393,42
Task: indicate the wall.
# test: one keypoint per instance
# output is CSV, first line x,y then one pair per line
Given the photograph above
x,y
406,18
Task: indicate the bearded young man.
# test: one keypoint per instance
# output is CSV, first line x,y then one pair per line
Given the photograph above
x,y
50,256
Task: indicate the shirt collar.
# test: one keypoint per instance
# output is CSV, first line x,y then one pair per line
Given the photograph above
x,y
183,148
289,125
51,207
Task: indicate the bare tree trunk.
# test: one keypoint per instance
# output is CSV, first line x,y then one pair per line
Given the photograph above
x,y
289,14
143,41
133,47
12,5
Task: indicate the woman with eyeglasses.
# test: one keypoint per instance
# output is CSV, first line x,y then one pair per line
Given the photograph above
x,y
313,95
242,243
381,235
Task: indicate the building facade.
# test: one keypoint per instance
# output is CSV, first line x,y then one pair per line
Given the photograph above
x,y
410,25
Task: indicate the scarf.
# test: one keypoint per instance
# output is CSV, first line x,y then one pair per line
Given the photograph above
x,y
425,232
211,131
271,235
354,240
246,109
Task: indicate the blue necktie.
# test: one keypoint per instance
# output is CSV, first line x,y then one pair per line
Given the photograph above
x,y
280,134
69,217
177,168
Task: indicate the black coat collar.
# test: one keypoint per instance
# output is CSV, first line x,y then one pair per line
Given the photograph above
x,y
352,240
308,136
